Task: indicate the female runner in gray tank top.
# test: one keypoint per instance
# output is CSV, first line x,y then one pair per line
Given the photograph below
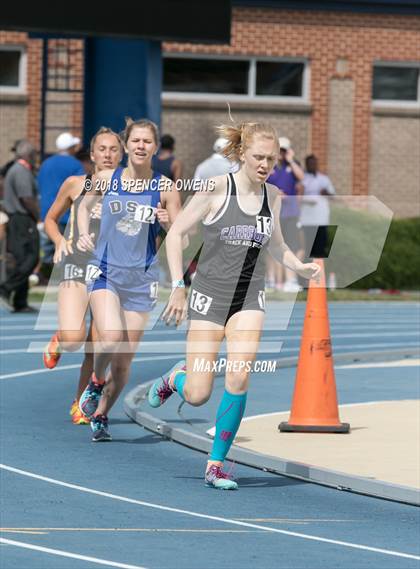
x,y
240,223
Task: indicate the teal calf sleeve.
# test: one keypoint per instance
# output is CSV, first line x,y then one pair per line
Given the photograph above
x,y
228,419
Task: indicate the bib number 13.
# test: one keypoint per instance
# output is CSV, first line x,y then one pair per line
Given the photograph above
x,y
200,302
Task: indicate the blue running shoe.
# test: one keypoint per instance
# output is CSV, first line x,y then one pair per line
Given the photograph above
x,y
99,425
89,400
216,478
161,390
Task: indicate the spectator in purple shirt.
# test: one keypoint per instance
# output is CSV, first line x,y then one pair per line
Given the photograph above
x,y
286,176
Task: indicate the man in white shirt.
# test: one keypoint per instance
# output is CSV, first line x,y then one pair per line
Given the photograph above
x,y
216,164
315,209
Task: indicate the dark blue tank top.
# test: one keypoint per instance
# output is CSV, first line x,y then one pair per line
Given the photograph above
x,y
163,166
129,227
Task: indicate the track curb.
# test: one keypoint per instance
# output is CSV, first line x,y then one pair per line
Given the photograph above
x,y
305,472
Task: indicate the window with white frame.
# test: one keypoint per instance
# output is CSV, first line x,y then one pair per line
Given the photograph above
x,y
12,69
396,82
199,76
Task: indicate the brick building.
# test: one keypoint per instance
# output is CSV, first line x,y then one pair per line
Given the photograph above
x,y
22,63
342,84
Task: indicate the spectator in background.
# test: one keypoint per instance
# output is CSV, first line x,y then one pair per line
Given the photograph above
x,y
4,218
4,169
83,155
52,173
165,162
286,176
21,205
315,209
216,164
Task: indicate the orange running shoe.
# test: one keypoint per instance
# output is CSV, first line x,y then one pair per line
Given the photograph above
x,y
52,353
77,416
74,407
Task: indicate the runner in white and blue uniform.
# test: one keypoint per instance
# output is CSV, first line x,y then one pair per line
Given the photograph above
x,y
124,272
125,260
240,221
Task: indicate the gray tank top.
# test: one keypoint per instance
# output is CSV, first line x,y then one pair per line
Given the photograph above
x,y
235,243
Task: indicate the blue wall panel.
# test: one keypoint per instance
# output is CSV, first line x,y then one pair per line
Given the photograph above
x,y
122,78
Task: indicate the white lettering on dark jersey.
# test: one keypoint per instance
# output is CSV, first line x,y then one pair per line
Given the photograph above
x,y
248,235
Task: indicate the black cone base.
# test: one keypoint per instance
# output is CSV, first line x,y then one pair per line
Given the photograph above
x,y
286,427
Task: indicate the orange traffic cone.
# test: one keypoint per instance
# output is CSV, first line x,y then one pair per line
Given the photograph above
x,y
314,406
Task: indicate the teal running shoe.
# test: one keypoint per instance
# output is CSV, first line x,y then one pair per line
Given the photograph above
x,y
161,390
99,425
216,478
89,400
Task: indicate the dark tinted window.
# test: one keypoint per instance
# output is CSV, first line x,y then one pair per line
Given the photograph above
x,y
205,76
9,68
395,83
279,79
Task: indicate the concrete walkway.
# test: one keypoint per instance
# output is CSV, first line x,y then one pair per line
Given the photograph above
x,y
383,443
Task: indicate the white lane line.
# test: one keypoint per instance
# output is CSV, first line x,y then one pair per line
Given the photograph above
x,y
169,330
44,531
337,350
62,553
354,335
26,326
25,337
51,324
77,366
284,336
266,339
17,351
209,517
38,347
399,363
264,342
39,370
281,325
285,320
23,531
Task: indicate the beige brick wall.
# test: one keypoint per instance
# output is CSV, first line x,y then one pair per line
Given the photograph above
x,y
340,134
394,175
13,121
60,113
193,126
